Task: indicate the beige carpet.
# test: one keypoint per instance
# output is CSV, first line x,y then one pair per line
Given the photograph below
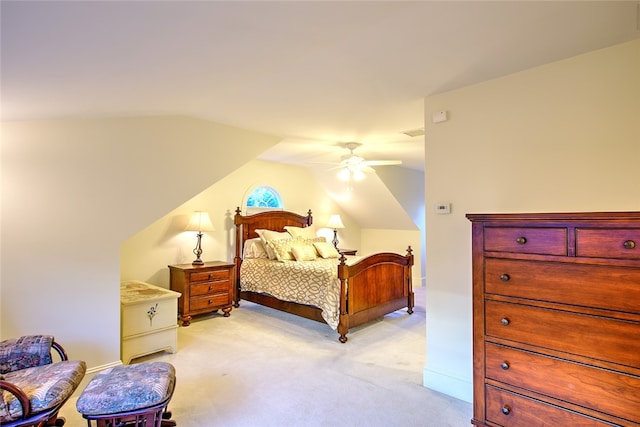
x,y
261,367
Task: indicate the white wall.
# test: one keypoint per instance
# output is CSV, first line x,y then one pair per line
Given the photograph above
x,y
145,255
561,137
72,192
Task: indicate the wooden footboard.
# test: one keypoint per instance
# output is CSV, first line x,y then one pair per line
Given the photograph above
x,y
377,285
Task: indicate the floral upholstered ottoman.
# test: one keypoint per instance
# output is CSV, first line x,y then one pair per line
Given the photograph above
x,y
130,395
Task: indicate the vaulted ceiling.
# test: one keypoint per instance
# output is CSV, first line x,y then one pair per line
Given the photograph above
x,y
316,74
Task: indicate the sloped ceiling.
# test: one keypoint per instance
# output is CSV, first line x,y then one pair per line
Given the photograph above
x,y
312,73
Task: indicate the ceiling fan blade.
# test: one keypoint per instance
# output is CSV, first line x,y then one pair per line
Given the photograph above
x,y
382,162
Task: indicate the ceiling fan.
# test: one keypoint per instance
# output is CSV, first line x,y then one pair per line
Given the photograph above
x,y
353,167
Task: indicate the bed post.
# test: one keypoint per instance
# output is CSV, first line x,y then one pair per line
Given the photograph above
x,y
343,274
411,300
237,259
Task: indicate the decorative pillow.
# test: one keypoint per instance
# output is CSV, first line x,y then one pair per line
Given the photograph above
x,y
254,248
282,248
326,250
304,252
267,235
302,232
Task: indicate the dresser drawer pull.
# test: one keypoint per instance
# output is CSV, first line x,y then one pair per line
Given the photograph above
x,y
209,302
210,288
210,276
506,409
504,321
521,240
505,277
504,365
629,244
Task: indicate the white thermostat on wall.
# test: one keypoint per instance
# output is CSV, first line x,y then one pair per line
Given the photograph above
x,y
443,208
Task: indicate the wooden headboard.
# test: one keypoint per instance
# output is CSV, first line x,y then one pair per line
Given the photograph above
x,y
246,226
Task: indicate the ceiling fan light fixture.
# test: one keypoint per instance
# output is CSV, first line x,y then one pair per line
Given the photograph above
x,y
358,175
344,174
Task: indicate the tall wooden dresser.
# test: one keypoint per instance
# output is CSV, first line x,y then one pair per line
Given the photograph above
x,y
556,319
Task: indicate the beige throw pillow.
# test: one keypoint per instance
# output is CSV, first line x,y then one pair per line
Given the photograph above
x,y
304,252
326,250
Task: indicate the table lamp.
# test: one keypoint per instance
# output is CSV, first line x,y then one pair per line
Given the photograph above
x,y
335,222
199,222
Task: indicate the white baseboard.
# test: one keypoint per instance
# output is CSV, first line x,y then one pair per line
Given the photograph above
x,y
103,367
456,387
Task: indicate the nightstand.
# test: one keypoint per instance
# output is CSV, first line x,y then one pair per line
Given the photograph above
x,y
147,320
204,288
347,251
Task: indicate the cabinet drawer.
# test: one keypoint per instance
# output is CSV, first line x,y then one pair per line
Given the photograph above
x,y
148,316
206,303
210,288
603,390
509,409
608,243
210,276
591,336
611,288
528,240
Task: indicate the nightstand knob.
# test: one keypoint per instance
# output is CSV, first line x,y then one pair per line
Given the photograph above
x,y
629,244
505,277
209,302
504,321
506,409
210,287
521,240
504,365
210,276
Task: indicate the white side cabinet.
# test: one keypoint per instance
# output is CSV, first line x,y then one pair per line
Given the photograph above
x,y
148,320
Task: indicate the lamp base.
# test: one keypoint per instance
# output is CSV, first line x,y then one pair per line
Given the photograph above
x,y
198,262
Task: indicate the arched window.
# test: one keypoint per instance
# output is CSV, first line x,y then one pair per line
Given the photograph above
x,y
263,198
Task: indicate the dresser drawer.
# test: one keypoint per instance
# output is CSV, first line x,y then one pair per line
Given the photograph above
x,y
611,288
206,303
513,410
603,390
608,243
210,288
527,240
209,276
591,336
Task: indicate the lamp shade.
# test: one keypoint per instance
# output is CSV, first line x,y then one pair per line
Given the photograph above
x,y
200,221
335,222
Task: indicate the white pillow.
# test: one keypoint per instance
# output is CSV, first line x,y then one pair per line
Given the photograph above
x,y
304,252
326,250
267,235
303,232
254,248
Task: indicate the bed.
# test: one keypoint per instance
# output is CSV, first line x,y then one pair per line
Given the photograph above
x,y
360,288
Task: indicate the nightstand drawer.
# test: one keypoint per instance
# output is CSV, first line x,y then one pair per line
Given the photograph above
x,y
608,243
209,276
210,288
526,240
209,302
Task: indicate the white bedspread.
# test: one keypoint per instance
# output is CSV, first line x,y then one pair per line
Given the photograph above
x,y
311,282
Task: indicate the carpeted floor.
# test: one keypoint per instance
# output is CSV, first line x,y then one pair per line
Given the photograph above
x,y
261,367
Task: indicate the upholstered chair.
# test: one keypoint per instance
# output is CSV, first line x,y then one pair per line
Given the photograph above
x,y
34,384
